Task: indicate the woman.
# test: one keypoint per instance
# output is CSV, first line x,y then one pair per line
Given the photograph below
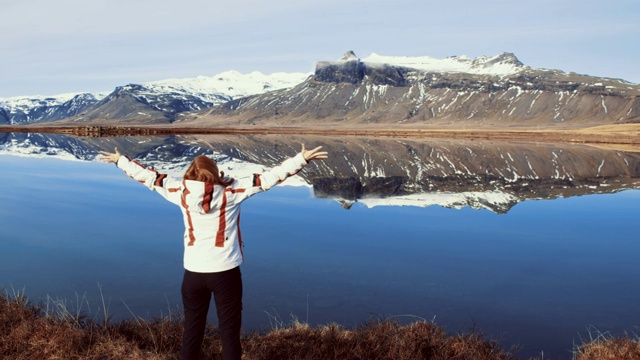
x,y
210,205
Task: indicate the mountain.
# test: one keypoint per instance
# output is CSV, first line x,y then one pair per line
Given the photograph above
x,y
39,109
496,91
155,102
494,176
379,91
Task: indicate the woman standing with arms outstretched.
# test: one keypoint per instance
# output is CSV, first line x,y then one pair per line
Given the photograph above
x,y
210,205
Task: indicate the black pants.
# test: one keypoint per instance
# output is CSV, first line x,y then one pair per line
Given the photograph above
x,y
197,288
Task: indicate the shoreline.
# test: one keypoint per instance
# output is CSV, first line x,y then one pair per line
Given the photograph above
x,y
606,135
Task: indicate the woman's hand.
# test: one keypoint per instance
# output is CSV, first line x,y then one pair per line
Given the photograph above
x,y
110,157
314,154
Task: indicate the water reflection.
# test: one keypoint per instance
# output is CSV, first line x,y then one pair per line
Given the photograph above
x,y
380,171
539,274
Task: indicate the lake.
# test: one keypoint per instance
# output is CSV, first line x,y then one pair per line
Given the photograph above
x,y
533,244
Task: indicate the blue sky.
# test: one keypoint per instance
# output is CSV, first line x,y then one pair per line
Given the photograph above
x,y
52,47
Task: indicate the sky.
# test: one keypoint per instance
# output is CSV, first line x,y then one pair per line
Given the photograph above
x,y
51,47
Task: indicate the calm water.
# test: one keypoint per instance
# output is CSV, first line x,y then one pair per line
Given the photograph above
x,y
541,271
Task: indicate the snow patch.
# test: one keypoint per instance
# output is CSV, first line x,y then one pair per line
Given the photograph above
x,y
473,199
499,65
231,83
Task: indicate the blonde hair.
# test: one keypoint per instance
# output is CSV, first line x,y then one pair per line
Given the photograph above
x,y
206,170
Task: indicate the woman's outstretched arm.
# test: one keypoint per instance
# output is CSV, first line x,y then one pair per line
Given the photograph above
x,y
289,167
147,176
161,183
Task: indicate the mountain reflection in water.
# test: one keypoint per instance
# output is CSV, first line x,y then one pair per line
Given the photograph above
x,y
381,171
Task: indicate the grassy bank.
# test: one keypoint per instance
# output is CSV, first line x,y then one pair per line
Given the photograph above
x,y
50,331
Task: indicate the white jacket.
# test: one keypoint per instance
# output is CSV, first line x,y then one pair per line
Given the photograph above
x,y
211,213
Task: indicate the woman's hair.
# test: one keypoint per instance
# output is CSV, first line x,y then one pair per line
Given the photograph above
x,y
204,169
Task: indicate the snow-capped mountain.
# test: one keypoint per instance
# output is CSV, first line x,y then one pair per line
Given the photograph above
x,y
152,102
36,109
496,91
458,91
378,172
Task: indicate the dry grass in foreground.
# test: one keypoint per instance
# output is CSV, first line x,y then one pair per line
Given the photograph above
x,y
609,348
51,332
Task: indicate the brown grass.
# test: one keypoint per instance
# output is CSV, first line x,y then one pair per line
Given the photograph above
x,y
30,332
376,340
604,347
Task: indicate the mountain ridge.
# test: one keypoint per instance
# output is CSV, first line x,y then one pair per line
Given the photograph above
x,y
358,93
496,91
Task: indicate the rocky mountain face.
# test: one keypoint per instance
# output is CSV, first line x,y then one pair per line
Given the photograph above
x,y
458,92
380,172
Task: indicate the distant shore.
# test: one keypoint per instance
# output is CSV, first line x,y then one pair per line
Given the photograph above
x,y
605,135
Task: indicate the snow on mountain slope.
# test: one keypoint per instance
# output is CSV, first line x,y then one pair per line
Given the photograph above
x,y
231,83
499,65
28,102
